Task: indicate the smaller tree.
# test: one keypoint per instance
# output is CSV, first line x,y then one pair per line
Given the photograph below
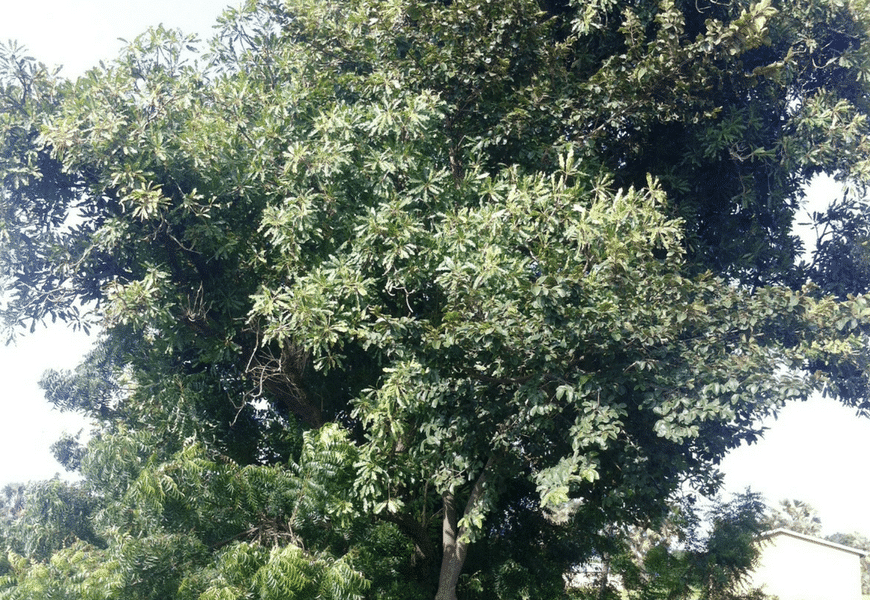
x,y
191,525
706,554
795,515
46,516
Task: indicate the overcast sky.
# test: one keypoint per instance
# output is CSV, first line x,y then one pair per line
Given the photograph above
x,y
816,451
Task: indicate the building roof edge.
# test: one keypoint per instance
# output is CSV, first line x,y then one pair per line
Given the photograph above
x,y
812,539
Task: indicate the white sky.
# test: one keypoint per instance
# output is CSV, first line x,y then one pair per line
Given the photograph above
x,y
815,451
30,425
79,33
76,34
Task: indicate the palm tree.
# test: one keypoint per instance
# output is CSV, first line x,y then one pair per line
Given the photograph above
x,y
796,515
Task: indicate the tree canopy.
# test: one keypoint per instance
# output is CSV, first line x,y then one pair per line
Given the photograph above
x,y
384,285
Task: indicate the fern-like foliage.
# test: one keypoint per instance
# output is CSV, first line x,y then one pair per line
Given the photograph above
x,y
193,525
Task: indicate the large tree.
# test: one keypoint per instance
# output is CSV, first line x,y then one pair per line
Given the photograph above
x,y
530,255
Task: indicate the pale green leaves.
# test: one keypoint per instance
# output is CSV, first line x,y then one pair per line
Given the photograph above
x,y
555,483
291,573
748,31
146,202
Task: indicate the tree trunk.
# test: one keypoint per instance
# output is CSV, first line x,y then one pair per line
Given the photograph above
x,y
453,537
603,577
455,551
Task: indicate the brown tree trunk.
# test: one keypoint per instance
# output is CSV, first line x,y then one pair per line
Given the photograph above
x,y
453,537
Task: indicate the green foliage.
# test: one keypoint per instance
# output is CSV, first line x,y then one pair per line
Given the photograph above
x,y
682,560
841,264
526,551
44,517
499,257
190,527
796,515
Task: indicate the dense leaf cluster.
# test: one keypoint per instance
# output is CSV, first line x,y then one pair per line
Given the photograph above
x,y
496,260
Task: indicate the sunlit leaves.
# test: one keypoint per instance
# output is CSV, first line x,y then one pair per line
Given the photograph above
x,y
525,248
189,527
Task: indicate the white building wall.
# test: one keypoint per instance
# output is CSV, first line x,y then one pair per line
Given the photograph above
x,y
795,567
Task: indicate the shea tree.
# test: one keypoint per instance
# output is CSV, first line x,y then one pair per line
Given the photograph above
x,y
528,255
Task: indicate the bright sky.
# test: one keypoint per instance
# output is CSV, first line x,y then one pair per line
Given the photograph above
x,y
815,451
80,33
76,34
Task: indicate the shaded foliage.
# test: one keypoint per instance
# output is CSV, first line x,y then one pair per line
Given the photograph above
x,y
691,553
